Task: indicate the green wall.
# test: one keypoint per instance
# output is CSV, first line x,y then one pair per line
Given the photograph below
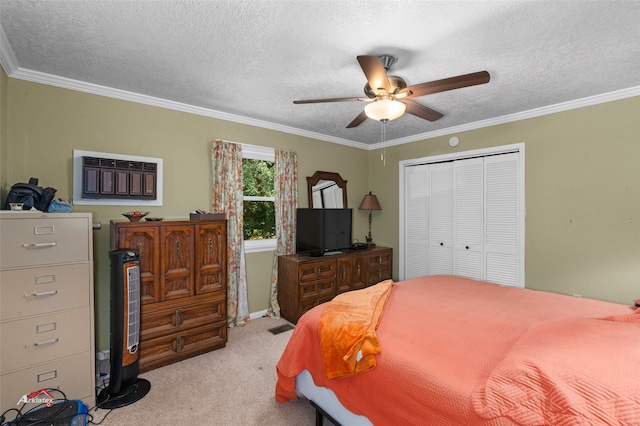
x,y
45,124
582,196
582,179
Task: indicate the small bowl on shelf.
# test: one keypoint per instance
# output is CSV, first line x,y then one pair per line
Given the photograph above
x,y
135,216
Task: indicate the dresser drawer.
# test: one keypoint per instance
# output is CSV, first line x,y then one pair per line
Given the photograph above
x,y
306,305
72,375
182,317
171,348
312,290
39,339
312,271
25,292
43,240
377,275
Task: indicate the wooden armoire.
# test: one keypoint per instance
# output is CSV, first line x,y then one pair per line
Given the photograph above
x,y
183,286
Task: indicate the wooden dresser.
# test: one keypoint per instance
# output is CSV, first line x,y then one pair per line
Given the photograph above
x,y
183,286
46,306
304,281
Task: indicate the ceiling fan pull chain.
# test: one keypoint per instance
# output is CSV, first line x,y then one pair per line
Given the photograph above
x,y
383,137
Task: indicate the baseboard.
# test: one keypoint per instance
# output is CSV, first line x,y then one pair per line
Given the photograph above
x,y
258,314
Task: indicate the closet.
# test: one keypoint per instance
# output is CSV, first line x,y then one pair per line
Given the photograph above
x,y
464,216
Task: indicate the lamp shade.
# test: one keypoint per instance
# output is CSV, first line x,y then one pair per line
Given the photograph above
x,y
370,202
384,109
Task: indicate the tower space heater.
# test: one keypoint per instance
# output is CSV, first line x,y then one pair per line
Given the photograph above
x,y
124,385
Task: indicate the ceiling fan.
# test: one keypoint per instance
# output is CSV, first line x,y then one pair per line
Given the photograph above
x,y
388,96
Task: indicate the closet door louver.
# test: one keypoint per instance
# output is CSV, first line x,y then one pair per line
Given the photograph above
x,y
501,219
416,221
469,218
465,217
441,219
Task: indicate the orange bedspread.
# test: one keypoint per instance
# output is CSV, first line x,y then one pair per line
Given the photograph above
x,y
441,340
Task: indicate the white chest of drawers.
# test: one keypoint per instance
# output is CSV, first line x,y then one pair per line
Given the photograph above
x,y
46,306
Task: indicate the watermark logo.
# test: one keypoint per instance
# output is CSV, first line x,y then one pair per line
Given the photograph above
x,y
38,397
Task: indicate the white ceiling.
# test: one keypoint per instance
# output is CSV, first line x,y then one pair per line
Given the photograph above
x,y
246,61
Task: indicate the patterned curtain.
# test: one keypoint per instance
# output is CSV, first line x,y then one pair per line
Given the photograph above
x,y
286,201
226,163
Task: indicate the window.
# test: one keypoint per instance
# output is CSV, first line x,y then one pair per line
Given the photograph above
x,y
259,226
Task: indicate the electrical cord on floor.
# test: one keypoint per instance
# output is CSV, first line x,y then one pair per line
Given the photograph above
x,y
24,419
91,418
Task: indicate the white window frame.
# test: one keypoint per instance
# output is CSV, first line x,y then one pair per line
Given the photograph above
x,y
255,152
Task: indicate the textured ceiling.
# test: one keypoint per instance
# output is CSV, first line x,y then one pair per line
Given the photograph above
x,y
247,61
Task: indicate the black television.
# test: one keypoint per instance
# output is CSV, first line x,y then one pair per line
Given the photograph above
x,y
322,231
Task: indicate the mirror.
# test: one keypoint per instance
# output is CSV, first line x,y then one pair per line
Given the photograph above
x,y
327,190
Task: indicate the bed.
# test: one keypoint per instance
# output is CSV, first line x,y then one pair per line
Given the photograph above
x,y
455,351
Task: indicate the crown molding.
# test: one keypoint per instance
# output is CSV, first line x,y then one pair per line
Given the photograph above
x,y
8,62
7,57
537,112
67,83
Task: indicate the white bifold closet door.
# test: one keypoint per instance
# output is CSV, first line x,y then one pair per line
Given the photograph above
x,y
502,220
468,241
461,218
416,221
440,217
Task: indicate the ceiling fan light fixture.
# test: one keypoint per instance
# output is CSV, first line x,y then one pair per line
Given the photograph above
x,y
385,109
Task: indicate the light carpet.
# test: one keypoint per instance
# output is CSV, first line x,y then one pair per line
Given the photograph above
x,y
230,386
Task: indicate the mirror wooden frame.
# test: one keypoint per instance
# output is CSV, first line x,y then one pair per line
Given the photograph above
x,y
318,176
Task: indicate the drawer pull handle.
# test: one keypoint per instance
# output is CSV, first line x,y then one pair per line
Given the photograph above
x,y
41,294
46,342
178,318
39,245
179,344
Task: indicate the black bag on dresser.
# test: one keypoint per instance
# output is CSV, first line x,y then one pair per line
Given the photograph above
x,y
31,195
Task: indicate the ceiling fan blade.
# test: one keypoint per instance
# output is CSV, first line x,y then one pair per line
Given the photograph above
x,y
315,101
358,120
445,84
375,72
421,111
